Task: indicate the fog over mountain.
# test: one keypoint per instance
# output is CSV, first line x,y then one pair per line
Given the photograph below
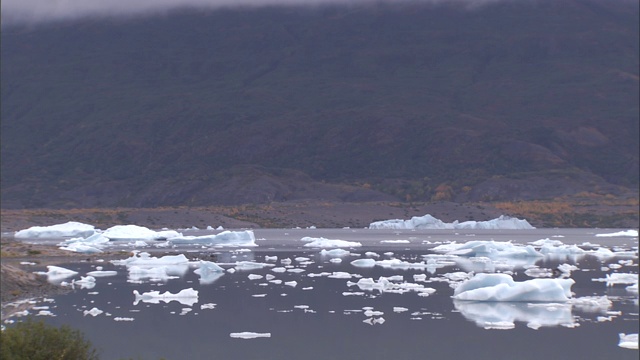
x,y
36,11
156,103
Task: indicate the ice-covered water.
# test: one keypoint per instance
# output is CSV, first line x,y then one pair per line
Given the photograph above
x,y
391,296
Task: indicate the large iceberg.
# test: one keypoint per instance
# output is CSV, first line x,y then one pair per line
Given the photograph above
x,y
430,222
68,229
502,287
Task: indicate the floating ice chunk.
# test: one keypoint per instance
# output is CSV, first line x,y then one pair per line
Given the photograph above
x,y
633,233
549,242
85,282
208,306
628,341
399,309
490,249
102,273
430,222
119,318
255,276
335,252
503,315
80,247
93,312
373,321
328,243
205,267
56,274
68,229
364,263
225,238
395,241
250,265
537,272
502,287
566,269
619,278
632,288
270,258
399,264
249,335
145,259
135,232
291,283
335,260
185,297
372,254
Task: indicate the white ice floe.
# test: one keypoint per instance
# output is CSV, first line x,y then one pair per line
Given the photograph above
x,y
249,335
335,252
135,232
56,274
386,285
490,249
619,278
628,341
395,241
504,315
364,263
68,229
250,265
185,297
592,304
328,243
208,271
93,312
502,287
85,282
145,259
430,222
633,233
225,238
102,273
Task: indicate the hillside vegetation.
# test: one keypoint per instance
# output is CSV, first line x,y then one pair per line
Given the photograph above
x,y
517,100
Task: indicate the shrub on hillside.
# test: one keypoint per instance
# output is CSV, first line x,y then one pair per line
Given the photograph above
x,y
33,340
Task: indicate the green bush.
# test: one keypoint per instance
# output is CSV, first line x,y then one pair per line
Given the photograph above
x,y
33,340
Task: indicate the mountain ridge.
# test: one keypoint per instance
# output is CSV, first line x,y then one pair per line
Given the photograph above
x,y
365,103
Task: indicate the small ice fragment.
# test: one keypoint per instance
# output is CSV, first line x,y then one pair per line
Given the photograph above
x,y
249,335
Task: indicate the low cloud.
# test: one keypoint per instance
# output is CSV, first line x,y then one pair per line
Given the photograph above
x,y
37,11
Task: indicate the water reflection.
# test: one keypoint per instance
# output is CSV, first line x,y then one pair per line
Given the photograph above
x,y
504,315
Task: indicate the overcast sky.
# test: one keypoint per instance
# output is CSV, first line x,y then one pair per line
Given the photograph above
x,y
33,11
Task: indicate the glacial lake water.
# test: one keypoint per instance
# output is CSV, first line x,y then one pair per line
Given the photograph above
x,y
328,317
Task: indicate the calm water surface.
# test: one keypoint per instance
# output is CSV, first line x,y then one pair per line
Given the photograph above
x,y
324,318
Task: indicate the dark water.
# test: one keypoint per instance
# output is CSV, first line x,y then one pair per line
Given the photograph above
x,y
316,320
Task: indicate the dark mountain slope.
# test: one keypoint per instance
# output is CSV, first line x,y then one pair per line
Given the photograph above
x,y
402,97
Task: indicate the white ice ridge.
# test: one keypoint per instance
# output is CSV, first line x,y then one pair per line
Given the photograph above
x,y
249,335
633,233
186,297
67,229
502,287
327,243
430,222
225,238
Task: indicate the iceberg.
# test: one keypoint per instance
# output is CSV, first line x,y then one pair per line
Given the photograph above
x,y
68,229
185,297
225,238
135,232
430,222
502,287
55,274
327,243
